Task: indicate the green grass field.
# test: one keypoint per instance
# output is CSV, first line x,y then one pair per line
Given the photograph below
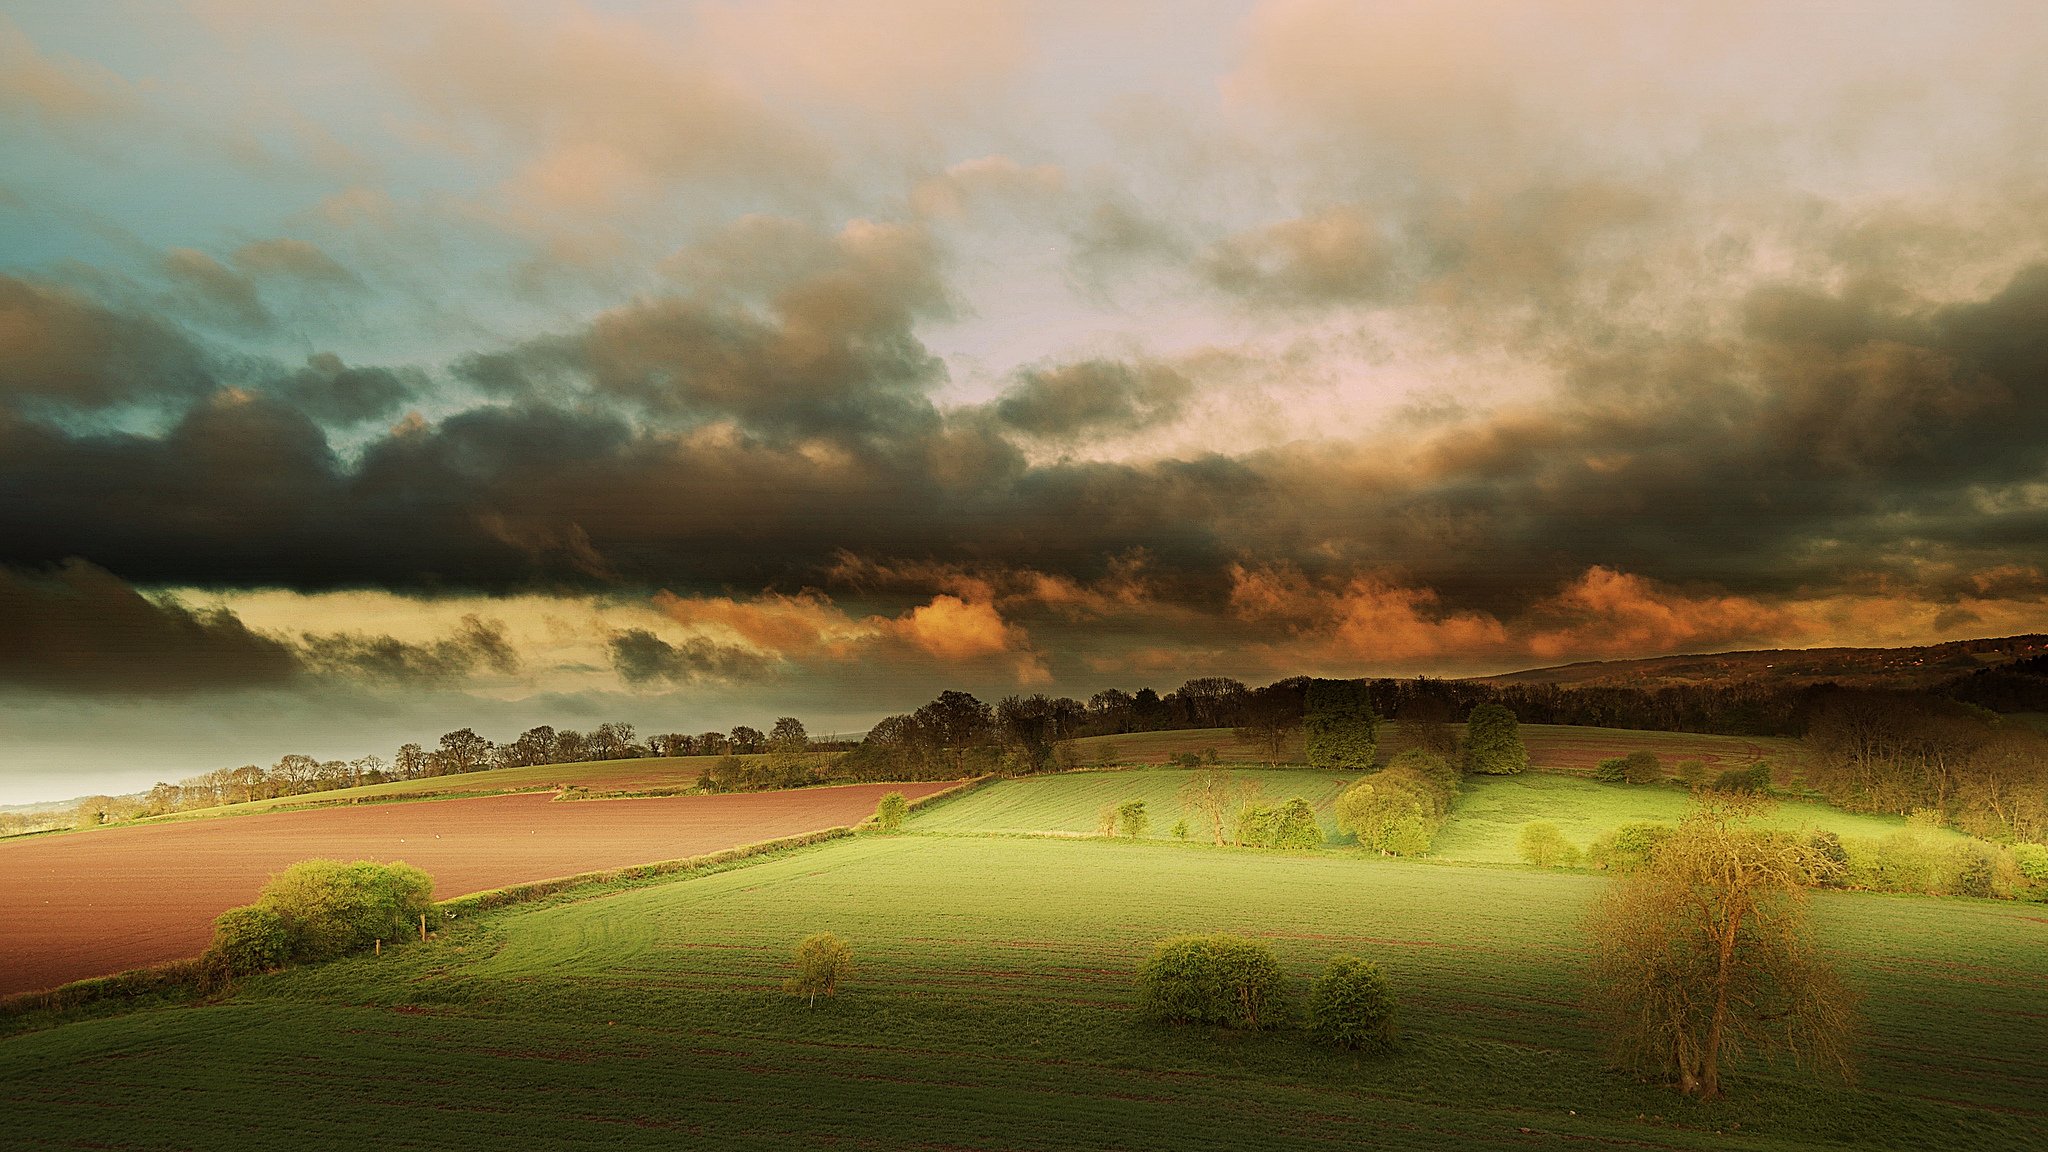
x,y
1488,816
1070,802
991,1008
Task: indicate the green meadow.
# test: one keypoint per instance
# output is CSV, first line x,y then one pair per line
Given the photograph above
x,y
991,1008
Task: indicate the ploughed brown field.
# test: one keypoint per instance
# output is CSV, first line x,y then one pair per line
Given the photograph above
x,y
91,903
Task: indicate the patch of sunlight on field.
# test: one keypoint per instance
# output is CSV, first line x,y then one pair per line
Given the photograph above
x,y
1487,818
1071,802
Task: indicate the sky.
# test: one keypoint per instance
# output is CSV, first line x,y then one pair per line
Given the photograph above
x,y
373,370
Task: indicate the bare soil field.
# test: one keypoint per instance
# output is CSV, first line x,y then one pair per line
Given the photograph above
x,y
87,904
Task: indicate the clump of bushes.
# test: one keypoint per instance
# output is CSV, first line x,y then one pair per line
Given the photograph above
x,y
1544,846
823,960
1350,1006
1638,767
734,774
890,813
1289,825
1493,742
1629,847
320,909
1224,980
1400,809
1755,779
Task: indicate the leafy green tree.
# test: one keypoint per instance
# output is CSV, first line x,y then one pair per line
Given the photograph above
x,y
1294,826
1132,820
1350,1006
823,962
1493,742
1341,728
1224,980
1544,846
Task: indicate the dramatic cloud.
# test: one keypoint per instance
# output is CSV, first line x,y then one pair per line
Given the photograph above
x,y
478,644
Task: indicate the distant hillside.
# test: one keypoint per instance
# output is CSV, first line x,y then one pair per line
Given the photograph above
x,y
1923,667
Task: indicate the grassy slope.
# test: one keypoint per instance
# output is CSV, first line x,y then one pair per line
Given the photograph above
x,y
1071,802
991,1009
1489,815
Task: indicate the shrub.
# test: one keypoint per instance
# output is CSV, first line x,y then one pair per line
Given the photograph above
x,y
1225,980
1401,808
822,961
1629,847
1642,767
1187,760
1179,829
1350,1006
252,938
1544,846
1827,860
1926,818
2032,860
1613,770
1754,779
1106,820
1972,867
329,908
726,774
1296,827
1339,726
889,814
1493,742
1692,773
1900,862
1255,824
1131,818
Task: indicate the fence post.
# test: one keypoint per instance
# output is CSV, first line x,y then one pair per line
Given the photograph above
x,y
423,927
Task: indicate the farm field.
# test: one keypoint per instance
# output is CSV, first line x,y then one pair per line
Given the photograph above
x,y
991,1008
1488,815
96,902
1071,802
645,773
1567,748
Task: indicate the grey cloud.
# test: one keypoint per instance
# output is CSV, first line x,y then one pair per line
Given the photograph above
x,y
212,293
643,658
336,394
477,644
1093,396
60,347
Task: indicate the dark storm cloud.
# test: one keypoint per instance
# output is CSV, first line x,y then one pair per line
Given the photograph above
x,y
79,629
643,658
476,645
1092,396
60,347
338,395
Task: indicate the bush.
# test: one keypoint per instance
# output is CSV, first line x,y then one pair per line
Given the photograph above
x,y
822,961
1544,846
726,774
1972,867
1179,829
1493,742
1131,818
1106,820
1340,729
1255,824
329,908
1613,770
1350,1006
1827,860
1900,862
252,938
1296,826
2032,860
1401,808
1692,773
1629,847
1224,980
1642,767
890,813
1754,779
1187,760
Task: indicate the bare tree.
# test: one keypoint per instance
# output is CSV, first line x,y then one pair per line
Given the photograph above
x,y
1706,953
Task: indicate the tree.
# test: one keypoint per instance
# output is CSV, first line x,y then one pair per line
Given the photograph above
x,y
1426,720
1544,846
1706,952
747,741
1132,819
1343,731
822,962
463,751
1493,742
789,736
1267,724
890,812
612,741
1350,1006
1215,796
1223,980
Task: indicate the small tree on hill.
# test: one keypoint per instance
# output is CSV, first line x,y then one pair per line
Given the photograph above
x,y
1132,820
1493,742
823,960
889,814
1223,980
1544,846
1706,952
1342,730
1214,797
